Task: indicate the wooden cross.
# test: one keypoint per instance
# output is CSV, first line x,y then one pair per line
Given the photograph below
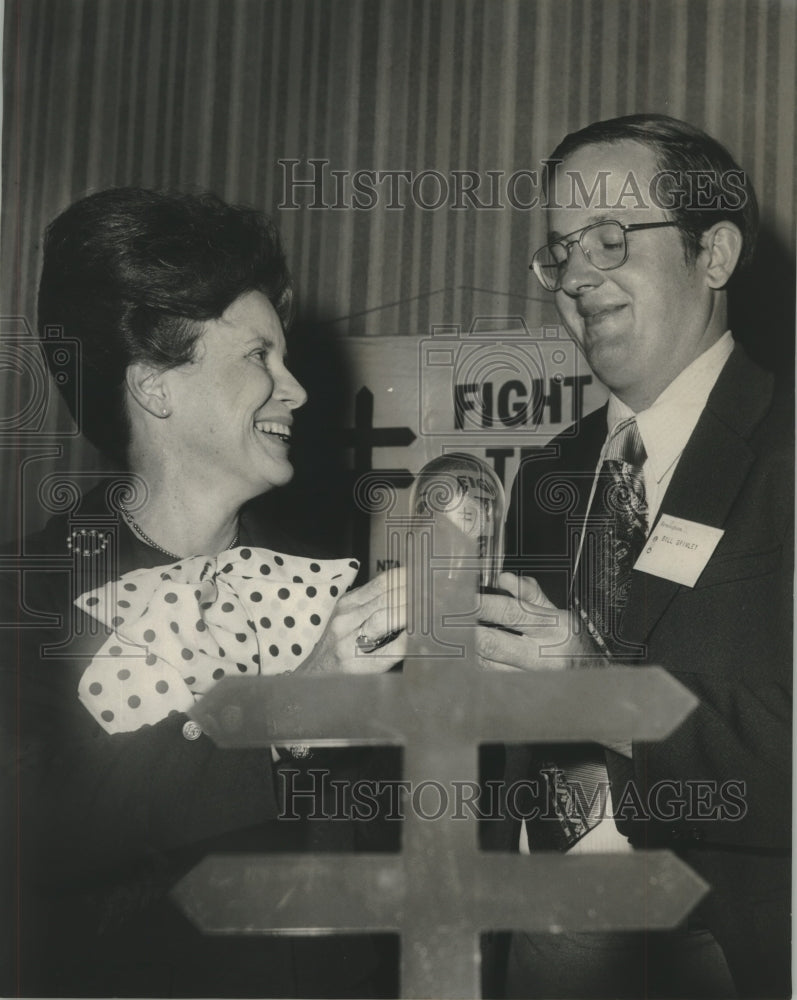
x,y
363,438
440,893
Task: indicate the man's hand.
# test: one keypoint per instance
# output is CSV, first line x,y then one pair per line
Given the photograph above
x,y
545,637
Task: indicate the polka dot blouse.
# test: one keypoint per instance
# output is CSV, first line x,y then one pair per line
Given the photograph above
x,y
178,629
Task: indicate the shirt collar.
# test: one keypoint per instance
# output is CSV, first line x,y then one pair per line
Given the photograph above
x,y
667,424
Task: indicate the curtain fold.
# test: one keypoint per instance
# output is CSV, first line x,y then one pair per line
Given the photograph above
x,y
197,94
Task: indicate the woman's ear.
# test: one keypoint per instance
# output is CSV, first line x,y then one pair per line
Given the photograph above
x,y
722,245
147,386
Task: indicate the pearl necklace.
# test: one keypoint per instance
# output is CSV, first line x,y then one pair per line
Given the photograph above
x,y
142,534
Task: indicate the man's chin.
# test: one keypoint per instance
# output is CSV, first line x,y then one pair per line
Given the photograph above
x,y
609,360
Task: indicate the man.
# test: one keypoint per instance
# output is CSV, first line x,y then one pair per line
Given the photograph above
x,y
675,548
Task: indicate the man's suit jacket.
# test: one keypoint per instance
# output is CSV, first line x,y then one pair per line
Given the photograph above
x,y
728,639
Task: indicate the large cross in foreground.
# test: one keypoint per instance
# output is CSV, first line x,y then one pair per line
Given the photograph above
x,y
440,893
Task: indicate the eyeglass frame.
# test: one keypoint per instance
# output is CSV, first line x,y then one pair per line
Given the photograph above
x,y
566,243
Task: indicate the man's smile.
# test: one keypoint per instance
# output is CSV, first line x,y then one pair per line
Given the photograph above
x,y
596,314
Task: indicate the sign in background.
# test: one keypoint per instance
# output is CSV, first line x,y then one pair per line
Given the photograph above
x,y
495,390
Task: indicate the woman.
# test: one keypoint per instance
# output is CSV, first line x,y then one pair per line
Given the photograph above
x,y
178,304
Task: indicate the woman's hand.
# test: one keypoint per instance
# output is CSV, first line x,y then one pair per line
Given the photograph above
x,y
375,610
543,637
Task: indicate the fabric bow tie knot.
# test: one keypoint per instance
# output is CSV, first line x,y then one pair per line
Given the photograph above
x,y
180,628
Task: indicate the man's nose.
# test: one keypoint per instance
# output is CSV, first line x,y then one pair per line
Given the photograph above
x,y
579,272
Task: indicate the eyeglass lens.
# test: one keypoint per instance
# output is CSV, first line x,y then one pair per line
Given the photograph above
x,y
602,244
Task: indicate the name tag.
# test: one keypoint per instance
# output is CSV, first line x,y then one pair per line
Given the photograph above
x,y
678,549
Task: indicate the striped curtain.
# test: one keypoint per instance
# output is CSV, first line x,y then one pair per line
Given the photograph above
x,y
238,96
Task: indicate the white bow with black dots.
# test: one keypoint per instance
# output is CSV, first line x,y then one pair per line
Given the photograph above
x,y
178,629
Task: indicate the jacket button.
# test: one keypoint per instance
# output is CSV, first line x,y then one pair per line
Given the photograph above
x,y
191,730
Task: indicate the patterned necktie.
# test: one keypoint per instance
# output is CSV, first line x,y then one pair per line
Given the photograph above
x,y
576,783
614,533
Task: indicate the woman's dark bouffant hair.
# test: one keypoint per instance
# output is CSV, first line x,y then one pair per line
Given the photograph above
x,y
131,273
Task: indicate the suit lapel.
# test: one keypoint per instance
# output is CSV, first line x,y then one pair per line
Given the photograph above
x,y
582,473
710,473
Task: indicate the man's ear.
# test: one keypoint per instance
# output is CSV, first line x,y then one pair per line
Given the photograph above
x,y
147,386
721,244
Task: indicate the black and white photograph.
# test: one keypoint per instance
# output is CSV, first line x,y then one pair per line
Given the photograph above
x,y
397,477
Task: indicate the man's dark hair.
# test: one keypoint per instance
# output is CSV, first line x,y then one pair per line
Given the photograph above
x,y
678,148
132,273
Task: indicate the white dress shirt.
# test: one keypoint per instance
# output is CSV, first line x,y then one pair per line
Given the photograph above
x,y
667,424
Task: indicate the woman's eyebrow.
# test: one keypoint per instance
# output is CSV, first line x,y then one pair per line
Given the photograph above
x,y
261,338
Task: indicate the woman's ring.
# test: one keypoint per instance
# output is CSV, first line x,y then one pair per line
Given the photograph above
x,y
365,643
368,645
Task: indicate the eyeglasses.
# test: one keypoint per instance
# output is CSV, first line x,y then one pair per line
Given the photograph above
x,y
604,244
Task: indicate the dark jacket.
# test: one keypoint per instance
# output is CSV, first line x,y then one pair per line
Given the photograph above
x,y
105,825
728,639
